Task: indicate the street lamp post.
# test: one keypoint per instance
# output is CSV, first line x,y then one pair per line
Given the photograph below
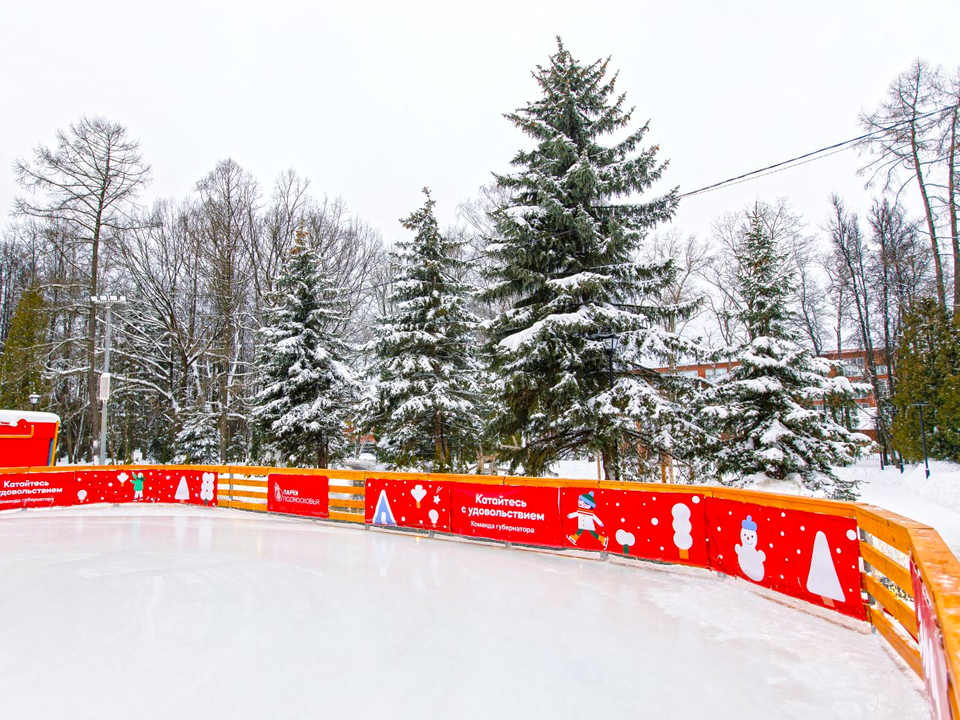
x,y
34,399
923,436
108,301
609,340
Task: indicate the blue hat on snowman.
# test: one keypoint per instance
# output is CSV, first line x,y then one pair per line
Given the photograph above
x,y
749,524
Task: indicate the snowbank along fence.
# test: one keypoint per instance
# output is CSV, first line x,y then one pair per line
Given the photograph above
x,y
855,559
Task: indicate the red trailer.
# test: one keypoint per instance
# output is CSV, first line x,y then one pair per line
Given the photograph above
x,y
28,439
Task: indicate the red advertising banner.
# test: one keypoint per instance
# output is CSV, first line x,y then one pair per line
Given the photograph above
x,y
664,526
932,655
511,513
165,486
52,489
408,503
299,495
806,555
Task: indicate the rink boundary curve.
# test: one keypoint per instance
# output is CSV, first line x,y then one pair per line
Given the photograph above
x,y
888,543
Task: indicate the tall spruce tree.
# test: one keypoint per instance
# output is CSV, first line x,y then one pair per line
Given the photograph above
x,y
766,420
424,399
308,390
565,259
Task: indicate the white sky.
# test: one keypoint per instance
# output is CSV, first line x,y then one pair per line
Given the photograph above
x,y
373,100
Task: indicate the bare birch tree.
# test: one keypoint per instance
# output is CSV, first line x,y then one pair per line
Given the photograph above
x,y
907,148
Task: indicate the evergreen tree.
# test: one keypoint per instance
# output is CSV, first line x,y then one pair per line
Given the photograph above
x,y
766,420
303,407
928,365
423,404
198,442
565,260
21,367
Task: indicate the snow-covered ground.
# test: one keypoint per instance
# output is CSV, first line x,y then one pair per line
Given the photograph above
x,y
934,501
159,612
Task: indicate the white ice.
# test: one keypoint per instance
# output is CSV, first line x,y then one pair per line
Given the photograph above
x,y
168,612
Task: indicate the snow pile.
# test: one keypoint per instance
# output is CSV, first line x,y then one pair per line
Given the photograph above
x,y
942,487
934,501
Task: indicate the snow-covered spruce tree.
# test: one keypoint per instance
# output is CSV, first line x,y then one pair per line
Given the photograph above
x,y
423,403
566,261
308,391
767,426
198,442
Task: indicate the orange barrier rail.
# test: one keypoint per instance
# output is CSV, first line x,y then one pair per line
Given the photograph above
x,y
888,542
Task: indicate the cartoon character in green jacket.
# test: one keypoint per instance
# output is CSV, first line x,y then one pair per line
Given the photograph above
x,y
138,486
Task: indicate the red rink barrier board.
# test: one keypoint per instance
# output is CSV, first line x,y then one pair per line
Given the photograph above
x,y
408,503
121,486
510,513
27,439
53,489
306,495
932,655
806,555
664,526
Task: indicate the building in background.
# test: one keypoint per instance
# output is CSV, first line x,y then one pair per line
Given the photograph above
x,y
852,361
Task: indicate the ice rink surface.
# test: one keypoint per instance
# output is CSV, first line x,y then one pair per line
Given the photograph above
x,y
166,612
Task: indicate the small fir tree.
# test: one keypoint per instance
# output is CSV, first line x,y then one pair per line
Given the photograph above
x,y
423,405
308,390
767,422
565,262
21,366
928,371
198,442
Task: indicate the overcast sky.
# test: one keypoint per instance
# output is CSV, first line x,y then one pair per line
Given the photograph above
x,y
373,100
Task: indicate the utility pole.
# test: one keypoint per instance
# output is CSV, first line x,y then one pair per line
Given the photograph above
x,y
923,436
609,340
108,301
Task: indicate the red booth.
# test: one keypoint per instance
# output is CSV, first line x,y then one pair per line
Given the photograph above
x,y
28,439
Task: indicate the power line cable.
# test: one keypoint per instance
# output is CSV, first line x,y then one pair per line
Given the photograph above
x,y
813,155
789,167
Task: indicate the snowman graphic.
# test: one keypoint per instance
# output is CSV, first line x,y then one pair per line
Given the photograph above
x,y
587,519
751,559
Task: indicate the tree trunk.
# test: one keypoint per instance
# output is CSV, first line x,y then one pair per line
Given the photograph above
x,y
438,453
223,419
952,203
92,384
931,228
608,469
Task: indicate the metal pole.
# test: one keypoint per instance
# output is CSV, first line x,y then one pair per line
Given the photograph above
x,y
923,441
616,450
103,400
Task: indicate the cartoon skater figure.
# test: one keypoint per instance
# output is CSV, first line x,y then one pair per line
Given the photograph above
x,y
137,486
587,519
